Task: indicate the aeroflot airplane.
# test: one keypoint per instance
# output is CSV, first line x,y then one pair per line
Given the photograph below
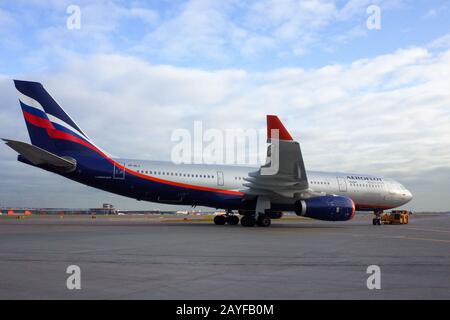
x,y
257,194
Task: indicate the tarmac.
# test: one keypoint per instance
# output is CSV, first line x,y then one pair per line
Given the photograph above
x,y
153,257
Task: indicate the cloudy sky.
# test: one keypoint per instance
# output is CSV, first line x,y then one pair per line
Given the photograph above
x,y
358,99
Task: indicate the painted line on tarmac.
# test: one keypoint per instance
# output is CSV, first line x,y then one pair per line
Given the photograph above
x,y
420,239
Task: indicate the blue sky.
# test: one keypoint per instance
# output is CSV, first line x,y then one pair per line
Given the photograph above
x,y
254,35
374,101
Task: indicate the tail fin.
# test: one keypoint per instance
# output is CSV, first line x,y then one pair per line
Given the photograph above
x,y
49,127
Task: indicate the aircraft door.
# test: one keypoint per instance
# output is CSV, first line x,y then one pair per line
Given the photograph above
x,y
119,173
342,184
220,180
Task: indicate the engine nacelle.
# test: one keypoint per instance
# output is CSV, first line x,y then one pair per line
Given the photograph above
x,y
328,208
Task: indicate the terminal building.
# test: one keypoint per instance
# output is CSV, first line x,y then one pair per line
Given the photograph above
x,y
106,209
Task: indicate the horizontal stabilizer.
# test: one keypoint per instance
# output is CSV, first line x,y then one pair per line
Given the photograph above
x,y
38,156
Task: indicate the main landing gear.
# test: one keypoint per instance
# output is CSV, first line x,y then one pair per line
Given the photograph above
x,y
248,220
229,218
377,220
259,216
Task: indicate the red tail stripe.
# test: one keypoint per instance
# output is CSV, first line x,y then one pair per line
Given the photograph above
x,y
57,134
274,123
37,121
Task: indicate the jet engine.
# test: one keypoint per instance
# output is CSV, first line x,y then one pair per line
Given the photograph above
x,y
328,208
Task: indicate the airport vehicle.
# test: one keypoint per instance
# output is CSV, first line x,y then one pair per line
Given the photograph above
x,y
393,217
257,194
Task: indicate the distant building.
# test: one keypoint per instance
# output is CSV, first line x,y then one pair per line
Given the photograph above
x,y
106,209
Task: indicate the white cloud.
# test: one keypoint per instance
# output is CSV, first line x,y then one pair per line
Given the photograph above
x,y
196,31
40,26
430,14
437,10
219,31
288,20
439,43
199,28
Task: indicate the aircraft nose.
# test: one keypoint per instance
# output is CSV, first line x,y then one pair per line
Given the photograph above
x,y
408,196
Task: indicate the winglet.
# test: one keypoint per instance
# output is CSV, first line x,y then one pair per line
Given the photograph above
x,y
274,123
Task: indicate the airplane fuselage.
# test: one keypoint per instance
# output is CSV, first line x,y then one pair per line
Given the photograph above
x,y
220,186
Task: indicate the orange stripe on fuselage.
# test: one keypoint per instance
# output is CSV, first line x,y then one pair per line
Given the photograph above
x,y
179,184
57,134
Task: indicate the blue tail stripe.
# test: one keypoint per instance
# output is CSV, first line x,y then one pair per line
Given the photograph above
x,y
40,138
33,111
39,113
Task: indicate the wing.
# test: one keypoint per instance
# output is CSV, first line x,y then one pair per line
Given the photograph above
x,y
284,173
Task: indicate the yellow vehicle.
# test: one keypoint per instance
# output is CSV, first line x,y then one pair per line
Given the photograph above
x,y
395,217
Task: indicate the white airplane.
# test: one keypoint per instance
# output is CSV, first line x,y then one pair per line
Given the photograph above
x,y
258,195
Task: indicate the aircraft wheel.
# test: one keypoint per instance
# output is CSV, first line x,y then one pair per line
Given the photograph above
x,y
374,221
263,221
220,220
248,221
233,220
